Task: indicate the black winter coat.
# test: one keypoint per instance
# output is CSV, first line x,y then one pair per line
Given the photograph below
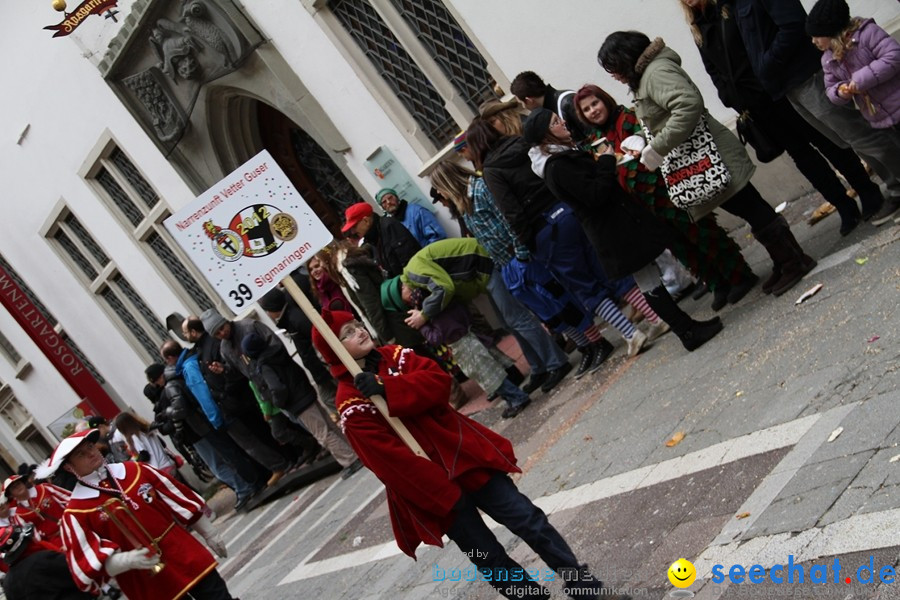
x,y
43,575
624,233
231,390
521,196
774,34
183,410
738,86
298,326
282,382
394,244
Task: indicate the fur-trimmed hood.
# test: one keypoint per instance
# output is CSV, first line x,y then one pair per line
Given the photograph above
x,y
647,56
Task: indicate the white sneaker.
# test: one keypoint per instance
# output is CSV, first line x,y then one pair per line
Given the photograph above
x,y
636,343
657,330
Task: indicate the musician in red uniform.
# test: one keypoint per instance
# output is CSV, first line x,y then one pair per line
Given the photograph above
x,y
130,521
41,505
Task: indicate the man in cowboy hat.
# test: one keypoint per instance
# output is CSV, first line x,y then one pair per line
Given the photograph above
x,y
130,521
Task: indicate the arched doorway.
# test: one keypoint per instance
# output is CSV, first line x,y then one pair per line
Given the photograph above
x,y
315,175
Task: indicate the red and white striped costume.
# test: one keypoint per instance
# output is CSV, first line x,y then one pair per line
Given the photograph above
x,y
44,509
164,508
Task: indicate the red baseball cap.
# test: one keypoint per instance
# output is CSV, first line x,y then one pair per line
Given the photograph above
x,y
356,213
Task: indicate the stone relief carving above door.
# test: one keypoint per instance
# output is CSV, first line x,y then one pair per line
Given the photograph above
x,y
166,52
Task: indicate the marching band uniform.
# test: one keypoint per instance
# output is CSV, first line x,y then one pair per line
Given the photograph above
x,y
44,509
129,521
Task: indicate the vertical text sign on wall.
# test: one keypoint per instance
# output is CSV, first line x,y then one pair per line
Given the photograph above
x,y
249,231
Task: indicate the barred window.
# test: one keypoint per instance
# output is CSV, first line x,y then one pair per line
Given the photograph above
x,y
139,305
450,47
76,255
85,255
122,200
397,67
163,252
132,199
134,177
9,351
131,323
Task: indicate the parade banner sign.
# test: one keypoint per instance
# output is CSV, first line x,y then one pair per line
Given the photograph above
x,y
249,231
80,13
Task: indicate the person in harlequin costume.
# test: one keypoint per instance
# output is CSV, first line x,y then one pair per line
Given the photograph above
x,y
467,468
41,505
130,522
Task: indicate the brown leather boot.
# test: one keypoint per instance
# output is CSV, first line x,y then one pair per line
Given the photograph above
x,y
791,263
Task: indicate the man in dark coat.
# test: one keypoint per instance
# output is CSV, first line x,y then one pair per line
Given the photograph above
x,y
253,349
282,309
223,457
394,244
232,392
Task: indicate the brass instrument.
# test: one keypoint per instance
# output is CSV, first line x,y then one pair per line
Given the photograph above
x,y
110,507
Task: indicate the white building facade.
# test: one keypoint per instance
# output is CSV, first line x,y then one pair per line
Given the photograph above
x,y
111,128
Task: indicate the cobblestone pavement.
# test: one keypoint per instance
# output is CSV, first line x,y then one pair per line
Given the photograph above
x,y
791,449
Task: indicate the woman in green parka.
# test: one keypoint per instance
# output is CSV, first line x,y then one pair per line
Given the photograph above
x,y
669,104
700,244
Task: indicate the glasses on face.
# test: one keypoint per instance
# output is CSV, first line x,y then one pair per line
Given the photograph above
x,y
351,330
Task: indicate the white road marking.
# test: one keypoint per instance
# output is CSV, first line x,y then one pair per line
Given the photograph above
x,y
758,442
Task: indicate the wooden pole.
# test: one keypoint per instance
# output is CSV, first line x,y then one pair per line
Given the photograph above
x,y
338,348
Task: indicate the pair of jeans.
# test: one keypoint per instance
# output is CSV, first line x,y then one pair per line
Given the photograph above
x,y
501,500
512,393
228,463
537,346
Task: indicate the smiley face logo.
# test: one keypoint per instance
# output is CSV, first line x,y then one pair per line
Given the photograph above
x,y
682,573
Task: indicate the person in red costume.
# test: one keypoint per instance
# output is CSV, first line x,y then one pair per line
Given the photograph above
x,y
467,468
36,569
130,521
41,505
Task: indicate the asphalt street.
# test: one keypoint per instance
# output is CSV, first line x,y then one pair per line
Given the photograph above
x,y
790,454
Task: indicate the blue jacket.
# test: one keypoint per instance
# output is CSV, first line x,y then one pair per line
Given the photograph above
x,y
780,51
188,367
421,223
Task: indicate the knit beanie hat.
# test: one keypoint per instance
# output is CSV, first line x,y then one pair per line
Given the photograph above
x,y
384,192
212,321
535,128
391,295
828,18
273,300
335,320
254,345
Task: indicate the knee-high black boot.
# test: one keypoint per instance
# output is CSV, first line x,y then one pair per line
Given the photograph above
x,y
790,262
692,334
